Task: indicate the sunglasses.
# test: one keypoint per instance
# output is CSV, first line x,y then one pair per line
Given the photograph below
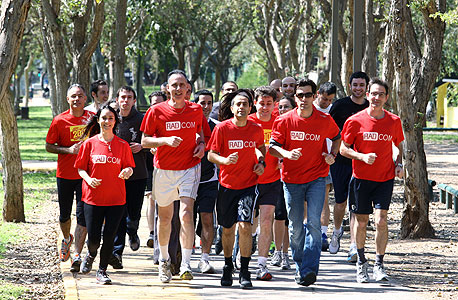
x,y
306,95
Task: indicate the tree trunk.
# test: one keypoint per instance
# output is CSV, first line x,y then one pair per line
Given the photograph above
x,y
416,74
12,20
119,43
27,80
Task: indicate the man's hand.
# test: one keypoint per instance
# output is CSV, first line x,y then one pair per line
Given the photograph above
x,y
329,158
94,182
199,151
232,158
135,147
73,149
369,158
173,141
258,169
294,154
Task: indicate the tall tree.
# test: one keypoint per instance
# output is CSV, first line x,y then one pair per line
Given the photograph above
x,y
13,14
416,69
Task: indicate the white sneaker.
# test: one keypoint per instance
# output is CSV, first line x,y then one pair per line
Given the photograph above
x,y
361,272
165,275
262,273
276,259
186,272
285,264
205,267
352,256
334,246
379,273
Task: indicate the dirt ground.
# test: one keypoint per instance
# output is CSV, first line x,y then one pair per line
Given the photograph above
x,y
427,264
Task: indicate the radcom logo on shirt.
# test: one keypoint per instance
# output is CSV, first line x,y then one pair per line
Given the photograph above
x,y
103,159
239,144
375,136
177,125
302,136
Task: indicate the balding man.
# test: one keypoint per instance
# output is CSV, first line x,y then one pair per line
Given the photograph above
x,y
276,84
288,86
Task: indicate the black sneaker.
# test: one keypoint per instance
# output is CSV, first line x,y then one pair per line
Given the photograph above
x,y
102,277
116,261
150,241
76,264
86,266
245,279
308,279
218,245
226,279
254,243
134,242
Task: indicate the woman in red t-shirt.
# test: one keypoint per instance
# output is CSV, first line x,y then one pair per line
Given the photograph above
x,y
104,161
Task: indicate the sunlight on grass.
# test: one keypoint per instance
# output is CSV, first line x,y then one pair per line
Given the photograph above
x,y
440,138
10,291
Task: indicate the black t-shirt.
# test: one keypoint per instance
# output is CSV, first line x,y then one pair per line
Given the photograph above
x,y
340,111
207,168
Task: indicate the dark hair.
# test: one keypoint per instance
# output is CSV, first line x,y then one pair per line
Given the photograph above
x,y
176,71
328,88
78,86
233,82
378,81
164,85
307,82
265,91
92,128
202,92
225,112
95,85
291,100
359,74
157,94
128,89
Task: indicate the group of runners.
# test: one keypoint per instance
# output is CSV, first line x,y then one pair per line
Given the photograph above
x,y
261,163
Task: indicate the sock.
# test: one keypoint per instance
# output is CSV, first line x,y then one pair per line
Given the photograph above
x,y
278,252
244,261
324,229
164,252
361,257
67,240
352,246
337,230
262,260
228,261
205,256
284,254
75,255
379,259
185,257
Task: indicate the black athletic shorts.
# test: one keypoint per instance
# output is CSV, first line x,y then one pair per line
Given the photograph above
x,y
67,190
341,175
366,194
268,193
234,206
206,197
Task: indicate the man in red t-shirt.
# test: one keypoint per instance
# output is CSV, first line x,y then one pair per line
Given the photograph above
x,y
269,184
64,138
175,127
237,146
299,138
372,133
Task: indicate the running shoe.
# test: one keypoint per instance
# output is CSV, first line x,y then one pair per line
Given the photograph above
x,y
164,271
379,273
272,248
86,265
352,256
218,243
150,241
361,272
276,259
76,264
64,253
245,279
226,279
102,277
254,244
308,279
285,264
205,267
334,246
186,272
156,256
134,242
324,242
116,261
262,273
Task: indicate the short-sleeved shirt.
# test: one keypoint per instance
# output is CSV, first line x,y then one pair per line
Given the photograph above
x,y
162,120
228,138
370,135
104,161
271,171
65,131
292,131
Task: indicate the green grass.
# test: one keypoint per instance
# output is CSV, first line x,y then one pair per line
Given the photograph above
x,y
151,88
9,291
32,134
440,138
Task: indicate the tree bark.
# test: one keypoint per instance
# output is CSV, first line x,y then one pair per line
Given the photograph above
x,y
13,15
27,80
119,43
416,73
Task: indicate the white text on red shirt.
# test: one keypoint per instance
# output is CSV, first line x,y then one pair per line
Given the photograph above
x,y
103,159
375,136
239,144
302,136
177,125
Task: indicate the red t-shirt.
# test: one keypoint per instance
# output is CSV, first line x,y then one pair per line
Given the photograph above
x,y
162,120
271,171
104,162
65,131
369,135
293,131
228,138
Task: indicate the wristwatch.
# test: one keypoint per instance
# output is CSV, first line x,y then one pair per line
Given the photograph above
x,y
262,162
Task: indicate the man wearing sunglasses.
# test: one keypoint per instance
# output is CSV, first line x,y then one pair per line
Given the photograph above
x,y
299,138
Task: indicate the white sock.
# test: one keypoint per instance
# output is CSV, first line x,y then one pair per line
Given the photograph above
x,y
205,256
262,260
324,229
337,230
185,257
164,252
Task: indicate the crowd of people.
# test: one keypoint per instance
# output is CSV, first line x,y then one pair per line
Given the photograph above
x,y
256,168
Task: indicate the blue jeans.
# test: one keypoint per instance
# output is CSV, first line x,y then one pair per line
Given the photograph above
x,y
305,241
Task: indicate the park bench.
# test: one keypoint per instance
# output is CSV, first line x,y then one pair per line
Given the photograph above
x,y
449,196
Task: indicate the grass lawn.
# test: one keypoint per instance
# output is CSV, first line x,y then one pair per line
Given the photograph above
x,y
151,88
441,137
37,188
